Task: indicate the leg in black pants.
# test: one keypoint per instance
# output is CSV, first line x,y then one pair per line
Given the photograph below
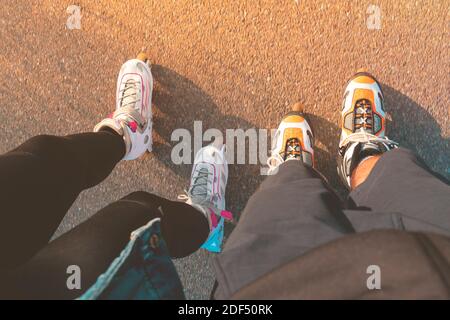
x,y
39,182
41,179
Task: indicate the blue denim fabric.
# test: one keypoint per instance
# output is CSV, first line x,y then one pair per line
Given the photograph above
x,y
142,271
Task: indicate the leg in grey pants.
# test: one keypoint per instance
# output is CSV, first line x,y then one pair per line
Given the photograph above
x,y
295,211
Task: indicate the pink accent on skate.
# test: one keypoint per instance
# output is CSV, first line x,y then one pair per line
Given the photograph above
x,y
214,221
111,115
133,126
227,215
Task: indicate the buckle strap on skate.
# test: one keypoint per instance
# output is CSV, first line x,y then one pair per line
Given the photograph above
x,y
132,118
364,137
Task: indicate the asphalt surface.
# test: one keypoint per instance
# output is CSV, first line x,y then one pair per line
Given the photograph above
x,y
231,64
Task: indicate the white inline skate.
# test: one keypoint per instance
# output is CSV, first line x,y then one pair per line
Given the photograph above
x,y
132,118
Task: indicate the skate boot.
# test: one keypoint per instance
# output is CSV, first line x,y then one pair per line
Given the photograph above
x,y
363,124
133,116
293,140
207,192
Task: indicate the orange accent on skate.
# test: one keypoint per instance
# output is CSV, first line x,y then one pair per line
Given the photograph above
x,y
363,94
291,119
290,133
364,79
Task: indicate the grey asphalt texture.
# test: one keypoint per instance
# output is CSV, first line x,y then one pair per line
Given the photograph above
x,y
230,64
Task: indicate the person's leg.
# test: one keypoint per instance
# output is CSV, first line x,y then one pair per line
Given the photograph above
x,y
292,212
40,180
362,171
94,244
392,186
400,182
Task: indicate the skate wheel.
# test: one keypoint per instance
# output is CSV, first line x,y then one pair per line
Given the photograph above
x,y
298,107
142,56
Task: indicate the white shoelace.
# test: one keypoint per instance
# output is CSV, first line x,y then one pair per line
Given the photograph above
x,y
129,93
198,191
277,159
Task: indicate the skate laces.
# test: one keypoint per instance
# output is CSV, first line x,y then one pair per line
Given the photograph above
x,y
127,111
292,151
199,191
129,94
363,115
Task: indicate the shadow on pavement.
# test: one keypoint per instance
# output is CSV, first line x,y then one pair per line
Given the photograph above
x,y
416,129
327,133
178,102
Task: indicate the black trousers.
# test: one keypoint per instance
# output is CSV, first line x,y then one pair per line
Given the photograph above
x,y
295,211
40,180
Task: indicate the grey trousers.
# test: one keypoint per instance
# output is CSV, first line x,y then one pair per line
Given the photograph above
x,y
295,211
